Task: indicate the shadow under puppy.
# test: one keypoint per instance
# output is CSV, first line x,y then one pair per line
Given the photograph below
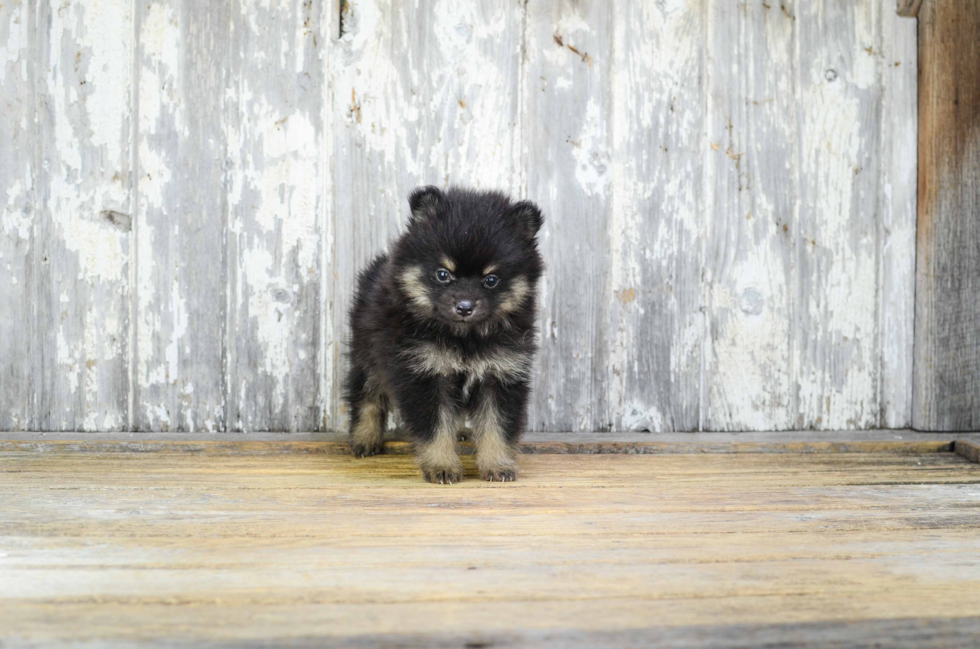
x,y
443,328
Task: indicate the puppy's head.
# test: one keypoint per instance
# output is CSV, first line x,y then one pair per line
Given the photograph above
x,y
468,259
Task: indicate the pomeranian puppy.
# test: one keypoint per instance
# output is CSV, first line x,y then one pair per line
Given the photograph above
x,y
443,329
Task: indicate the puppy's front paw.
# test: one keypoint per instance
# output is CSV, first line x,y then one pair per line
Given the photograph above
x,y
443,475
366,449
507,473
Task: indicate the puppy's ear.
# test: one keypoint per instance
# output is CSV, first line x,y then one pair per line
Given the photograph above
x,y
527,217
425,202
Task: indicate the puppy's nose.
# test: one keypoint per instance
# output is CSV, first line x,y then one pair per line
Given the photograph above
x,y
464,308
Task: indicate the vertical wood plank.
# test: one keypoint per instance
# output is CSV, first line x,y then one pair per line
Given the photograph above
x,y
899,162
568,151
947,308
648,357
274,135
836,340
182,215
18,146
423,94
84,221
751,162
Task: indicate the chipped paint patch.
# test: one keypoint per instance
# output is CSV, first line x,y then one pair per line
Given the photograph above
x,y
589,148
639,417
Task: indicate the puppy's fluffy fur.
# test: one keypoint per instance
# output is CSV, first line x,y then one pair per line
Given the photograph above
x,y
443,329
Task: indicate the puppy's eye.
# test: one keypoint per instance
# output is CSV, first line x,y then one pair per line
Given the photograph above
x,y
444,276
490,281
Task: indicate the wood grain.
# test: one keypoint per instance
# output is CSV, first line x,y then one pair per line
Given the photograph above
x,y
947,338
18,215
750,261
304,550
896,232
968,449
567,143
275,135
647,373
809,299
84,218
835,232
182,216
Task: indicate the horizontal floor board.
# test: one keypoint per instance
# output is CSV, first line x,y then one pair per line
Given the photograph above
x,y
297,549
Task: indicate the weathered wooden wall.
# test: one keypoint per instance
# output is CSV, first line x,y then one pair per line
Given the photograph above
x,y
947,304
190,187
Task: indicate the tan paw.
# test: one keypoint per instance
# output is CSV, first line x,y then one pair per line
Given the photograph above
x,y
444,475
362,449
499,473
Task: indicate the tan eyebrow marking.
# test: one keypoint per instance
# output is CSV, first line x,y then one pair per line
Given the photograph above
x,y
489,269
449,264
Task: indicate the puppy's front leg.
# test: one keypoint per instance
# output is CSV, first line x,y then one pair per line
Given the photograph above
x,y
498,420
433,421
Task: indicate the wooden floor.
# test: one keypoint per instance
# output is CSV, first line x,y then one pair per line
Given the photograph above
x,y
171,548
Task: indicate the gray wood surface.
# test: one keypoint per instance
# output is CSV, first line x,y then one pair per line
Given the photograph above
x,y
751,263
255,444
947,311
774,437
190,189
650,327
836,338
18,148
275,134
83,219
181,225
903,633
566,138
897,207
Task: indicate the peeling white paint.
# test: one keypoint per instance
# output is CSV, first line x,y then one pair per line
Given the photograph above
x,y
16,214
100,249
68,360
274,318
285,180
806,325
842,296
640,417
380,107
14,46
589,151
179,328
110,71
84,131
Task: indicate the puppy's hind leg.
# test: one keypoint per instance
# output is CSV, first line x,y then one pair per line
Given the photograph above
x,y
368,415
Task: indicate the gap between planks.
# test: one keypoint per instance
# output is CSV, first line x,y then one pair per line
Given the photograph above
x,y
536,444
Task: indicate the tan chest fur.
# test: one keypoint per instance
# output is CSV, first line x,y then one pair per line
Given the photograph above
x,y
503,365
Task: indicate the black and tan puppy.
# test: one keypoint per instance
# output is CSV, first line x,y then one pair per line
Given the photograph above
x,y
443,328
